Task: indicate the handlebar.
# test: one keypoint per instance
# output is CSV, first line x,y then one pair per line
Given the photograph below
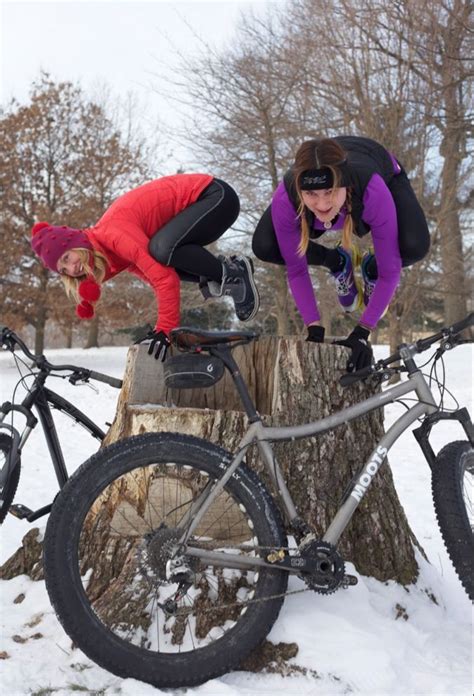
x,y
453,330
352,377
419,347
9,339
91,374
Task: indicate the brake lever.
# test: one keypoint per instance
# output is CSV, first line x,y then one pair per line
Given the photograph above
x,y
91,386
75,379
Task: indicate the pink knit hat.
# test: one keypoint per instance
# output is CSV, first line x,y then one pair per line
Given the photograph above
x,y
50,242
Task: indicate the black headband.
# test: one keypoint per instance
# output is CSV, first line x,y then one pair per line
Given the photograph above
x,y
314,179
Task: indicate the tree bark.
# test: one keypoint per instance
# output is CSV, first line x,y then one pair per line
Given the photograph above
x,y
93,334
291,382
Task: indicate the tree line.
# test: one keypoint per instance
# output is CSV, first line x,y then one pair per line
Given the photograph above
x,y
398,72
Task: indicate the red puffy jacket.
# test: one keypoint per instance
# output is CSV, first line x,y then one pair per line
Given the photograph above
x,y
122,234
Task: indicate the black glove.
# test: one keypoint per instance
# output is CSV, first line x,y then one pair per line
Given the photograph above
x,y
315,334
159,344
361,355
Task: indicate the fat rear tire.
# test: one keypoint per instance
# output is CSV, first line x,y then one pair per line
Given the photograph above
x,y
69,597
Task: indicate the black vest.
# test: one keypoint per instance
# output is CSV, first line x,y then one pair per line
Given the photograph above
x,y
365,157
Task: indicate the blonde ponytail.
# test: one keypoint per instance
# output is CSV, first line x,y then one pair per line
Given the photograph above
x,y
347,241
304,240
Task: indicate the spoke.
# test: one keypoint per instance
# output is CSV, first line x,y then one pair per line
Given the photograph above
x,y
188,623
218,517
155,603
468,483
156,498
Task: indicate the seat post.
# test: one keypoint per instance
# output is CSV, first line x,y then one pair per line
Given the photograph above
x,y
224,353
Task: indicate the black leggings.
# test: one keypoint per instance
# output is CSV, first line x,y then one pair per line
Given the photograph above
x,y
180,242
413,233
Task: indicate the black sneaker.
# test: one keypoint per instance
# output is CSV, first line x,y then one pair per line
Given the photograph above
x,y
239,284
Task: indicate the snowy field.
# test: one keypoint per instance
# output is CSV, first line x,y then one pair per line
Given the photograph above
x,y
350,643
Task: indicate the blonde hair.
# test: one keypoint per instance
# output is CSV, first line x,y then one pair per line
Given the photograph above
x,y
316,154
95,266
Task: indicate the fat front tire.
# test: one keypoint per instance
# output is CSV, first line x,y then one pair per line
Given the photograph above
x,y
10,485
452,487
111,538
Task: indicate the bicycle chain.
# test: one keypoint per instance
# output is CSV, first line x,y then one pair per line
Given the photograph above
x,y
187,611
262,599
271,549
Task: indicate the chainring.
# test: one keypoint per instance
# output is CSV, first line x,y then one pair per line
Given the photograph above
x,y
331,570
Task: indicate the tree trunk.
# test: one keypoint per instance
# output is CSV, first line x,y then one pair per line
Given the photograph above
x,y
453,151
291,382
93,335
41,315
68,332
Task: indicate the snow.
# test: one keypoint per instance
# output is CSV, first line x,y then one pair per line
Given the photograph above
x,y
373,639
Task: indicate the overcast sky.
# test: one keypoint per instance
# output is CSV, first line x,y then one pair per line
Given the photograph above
x,y
118,42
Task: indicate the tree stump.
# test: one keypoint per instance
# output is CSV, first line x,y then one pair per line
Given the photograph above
x,y
291,382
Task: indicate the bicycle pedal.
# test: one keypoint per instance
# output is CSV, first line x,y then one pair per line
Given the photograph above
x,y
349,581
20,511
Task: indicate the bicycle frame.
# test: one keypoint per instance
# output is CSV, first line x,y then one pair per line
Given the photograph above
x,y
43,400
262,435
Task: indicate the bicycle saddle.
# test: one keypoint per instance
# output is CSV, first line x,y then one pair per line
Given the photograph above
x,y
187,338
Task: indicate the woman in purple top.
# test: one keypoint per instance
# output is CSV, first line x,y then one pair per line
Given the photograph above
x,y
351,184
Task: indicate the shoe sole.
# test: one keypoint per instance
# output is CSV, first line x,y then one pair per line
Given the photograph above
x,y
365,304
249,266
358,303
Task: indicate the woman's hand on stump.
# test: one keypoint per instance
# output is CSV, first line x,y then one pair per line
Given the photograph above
x,y
159,344
361,350
315,333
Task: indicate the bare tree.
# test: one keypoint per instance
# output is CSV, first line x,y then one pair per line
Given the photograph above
x,y
432,40
328,67
62,160
247,119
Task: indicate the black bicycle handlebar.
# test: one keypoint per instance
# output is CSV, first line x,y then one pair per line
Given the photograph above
x,y
452,330
351,377
421,345
9,339
100,377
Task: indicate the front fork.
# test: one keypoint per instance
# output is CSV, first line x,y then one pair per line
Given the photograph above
x,y
423,432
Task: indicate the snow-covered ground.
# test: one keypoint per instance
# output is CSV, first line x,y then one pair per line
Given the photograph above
x,y
352,642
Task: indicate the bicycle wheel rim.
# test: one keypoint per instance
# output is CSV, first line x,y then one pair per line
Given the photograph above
x,y
467,485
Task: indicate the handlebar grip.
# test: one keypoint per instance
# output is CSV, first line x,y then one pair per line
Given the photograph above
x,y
352,377
112,381
463,324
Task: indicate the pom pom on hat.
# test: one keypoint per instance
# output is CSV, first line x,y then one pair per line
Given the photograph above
x,y
39,226
85,310
89,290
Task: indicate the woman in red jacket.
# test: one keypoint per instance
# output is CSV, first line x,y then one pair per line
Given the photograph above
x,y
157,231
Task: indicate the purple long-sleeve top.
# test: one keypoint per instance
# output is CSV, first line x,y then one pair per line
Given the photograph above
x,y
379,214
